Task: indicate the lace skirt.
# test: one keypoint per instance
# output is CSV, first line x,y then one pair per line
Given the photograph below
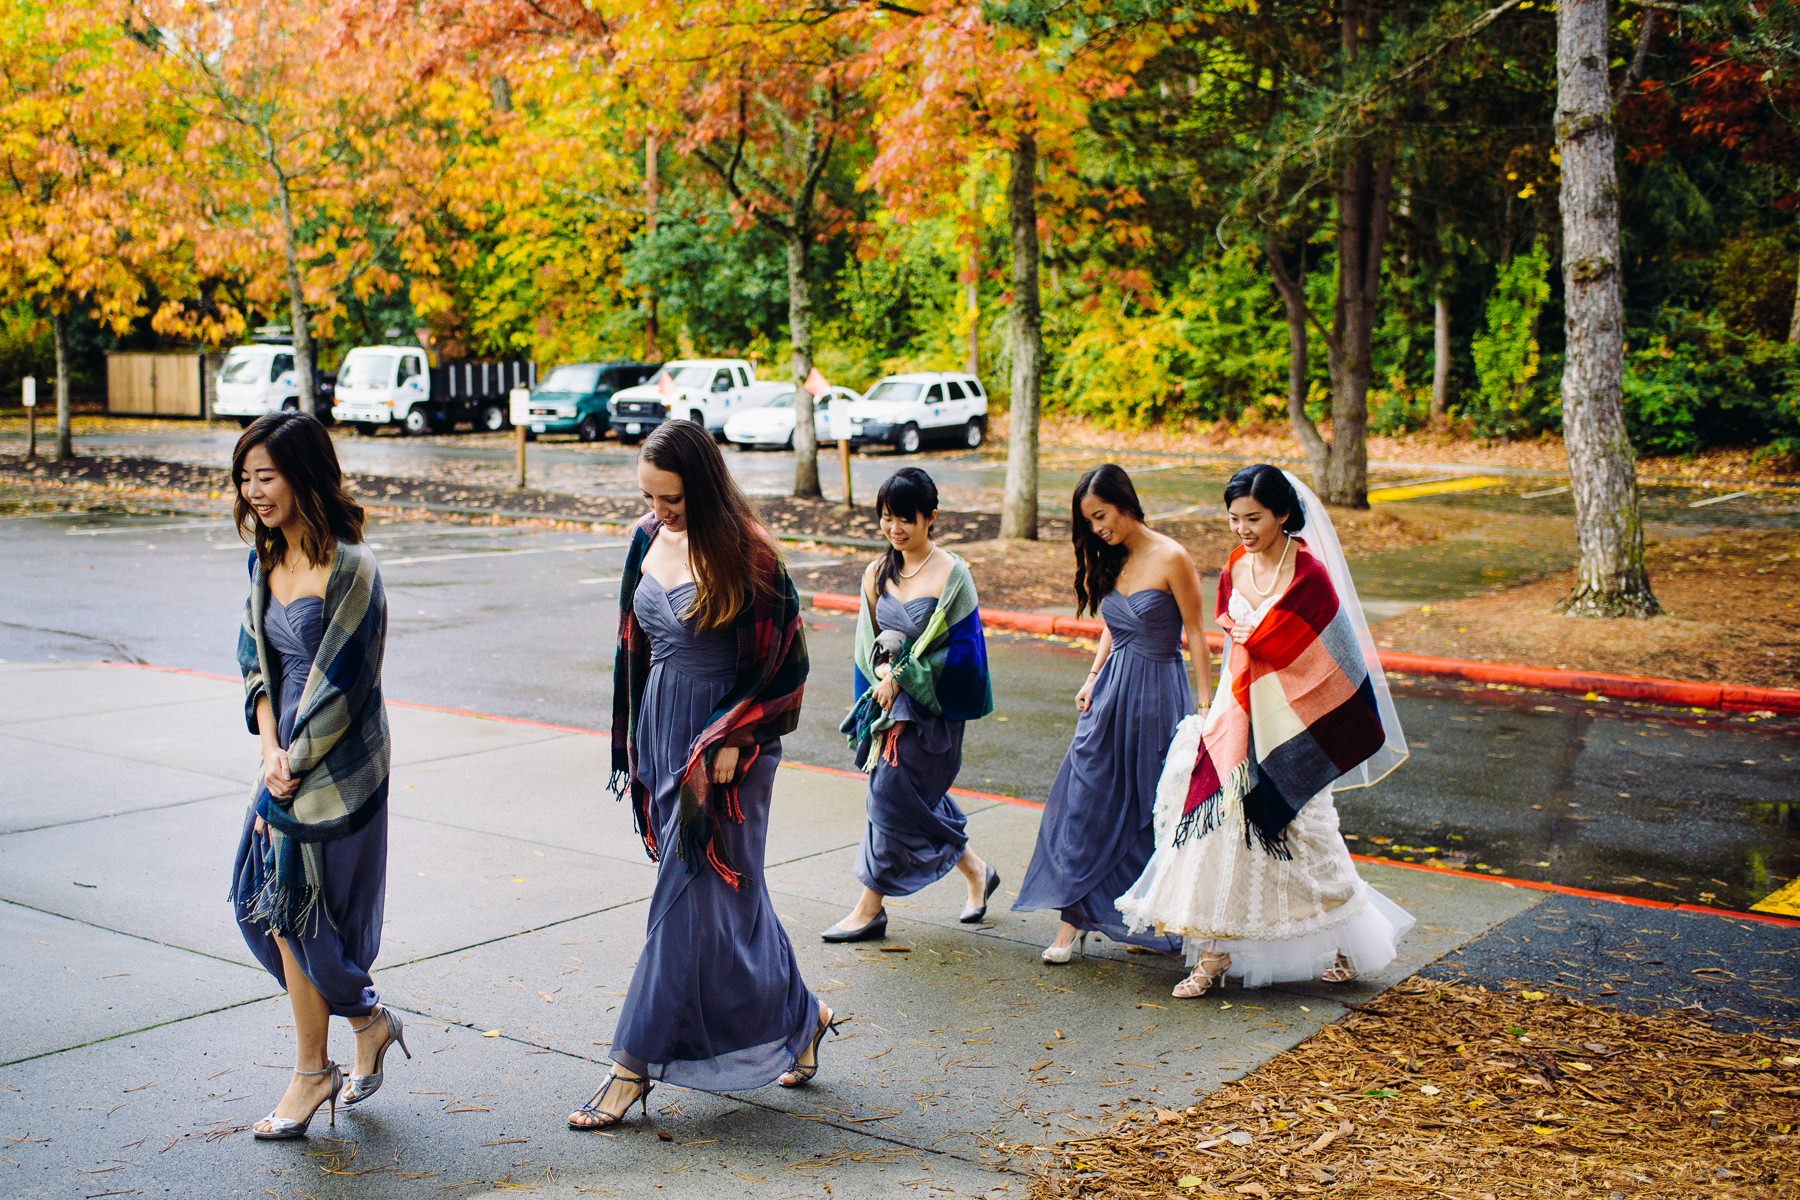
x,y
1281,920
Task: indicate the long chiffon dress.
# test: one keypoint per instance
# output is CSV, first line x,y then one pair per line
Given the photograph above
x,y
915,834
1280,920
716,1001
336,952
1097,831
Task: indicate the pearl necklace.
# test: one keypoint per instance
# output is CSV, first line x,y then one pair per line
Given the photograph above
x,y
920,567
1282,562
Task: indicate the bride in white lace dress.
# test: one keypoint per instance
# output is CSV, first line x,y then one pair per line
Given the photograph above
x,y
1271,895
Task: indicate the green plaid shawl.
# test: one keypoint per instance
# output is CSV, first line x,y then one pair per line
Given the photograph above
x,y
763,704
944,669
339,747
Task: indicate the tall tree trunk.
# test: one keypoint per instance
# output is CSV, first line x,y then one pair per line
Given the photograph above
x,y
973,363
806,437
1019,510
651,353
65,435
1610,578
1365,190
1293,299
1794,325
1440,357
303,343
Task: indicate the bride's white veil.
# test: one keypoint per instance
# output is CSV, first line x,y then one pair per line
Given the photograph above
x,y
1322,540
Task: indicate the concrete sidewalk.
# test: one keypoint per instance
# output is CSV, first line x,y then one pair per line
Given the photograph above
x,y
143,1038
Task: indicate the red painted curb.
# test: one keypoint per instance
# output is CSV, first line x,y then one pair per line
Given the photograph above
x,y
1533,884
1723,697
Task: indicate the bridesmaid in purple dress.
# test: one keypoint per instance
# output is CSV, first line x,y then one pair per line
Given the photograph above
x,y
1098,825
711,663
310,877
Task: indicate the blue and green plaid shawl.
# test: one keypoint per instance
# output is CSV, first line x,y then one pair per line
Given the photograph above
x,y
339,747
944,670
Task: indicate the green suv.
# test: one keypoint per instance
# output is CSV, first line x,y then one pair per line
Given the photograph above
x,y
572,398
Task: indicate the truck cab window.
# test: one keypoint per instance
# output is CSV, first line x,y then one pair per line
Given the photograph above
x,y
409,367
722,381
955,390
283,363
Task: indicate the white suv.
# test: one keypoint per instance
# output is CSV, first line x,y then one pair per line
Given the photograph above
x,y
906,411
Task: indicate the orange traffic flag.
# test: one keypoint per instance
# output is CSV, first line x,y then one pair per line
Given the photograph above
x,y
815,383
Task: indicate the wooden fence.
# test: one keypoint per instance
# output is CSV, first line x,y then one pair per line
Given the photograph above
x,y
156,384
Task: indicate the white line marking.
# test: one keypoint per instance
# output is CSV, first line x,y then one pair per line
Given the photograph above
x,y
429,558
1722,499
1547,492
213,524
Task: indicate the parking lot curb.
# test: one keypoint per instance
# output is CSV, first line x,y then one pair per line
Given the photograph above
x,y
1723,697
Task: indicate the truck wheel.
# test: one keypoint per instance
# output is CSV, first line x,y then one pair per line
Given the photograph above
x,y
972,434
590,429
366,428
244,422
492,419
530,436
416,422
290,406
908,442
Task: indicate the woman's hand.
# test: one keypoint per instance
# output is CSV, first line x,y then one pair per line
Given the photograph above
x,y
725,764
886,692
1085,696
1240,632
276,776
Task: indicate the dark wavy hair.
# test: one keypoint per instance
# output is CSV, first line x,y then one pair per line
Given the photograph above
x,y
1097,565
909,494
1270,488
723,532
302,452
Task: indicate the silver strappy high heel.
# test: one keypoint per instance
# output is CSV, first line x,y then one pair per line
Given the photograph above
x,y
361,1087
286,1129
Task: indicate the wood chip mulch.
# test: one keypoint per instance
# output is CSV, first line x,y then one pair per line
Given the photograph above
x,y
1448,1090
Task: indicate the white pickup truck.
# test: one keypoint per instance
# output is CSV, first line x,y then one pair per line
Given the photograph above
x,y
703,390
256,379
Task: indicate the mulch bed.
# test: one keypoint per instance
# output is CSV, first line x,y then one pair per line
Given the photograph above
x,y
1436,1089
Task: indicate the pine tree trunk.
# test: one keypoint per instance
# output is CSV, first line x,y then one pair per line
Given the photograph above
x,y
303,343
1019,511
1365,190
1794,325
1610,578
1440,359
65,434
806,437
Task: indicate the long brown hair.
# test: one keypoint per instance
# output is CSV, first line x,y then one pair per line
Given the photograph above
x,y
302,452
723,532
1097,565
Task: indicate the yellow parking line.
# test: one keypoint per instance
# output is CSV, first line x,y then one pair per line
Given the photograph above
x,y
1784,903
1471,484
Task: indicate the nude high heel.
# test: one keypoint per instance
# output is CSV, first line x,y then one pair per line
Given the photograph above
x,y
1062,954
1209,970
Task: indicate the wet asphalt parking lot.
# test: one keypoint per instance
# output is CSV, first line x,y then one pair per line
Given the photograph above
x,y
1657,803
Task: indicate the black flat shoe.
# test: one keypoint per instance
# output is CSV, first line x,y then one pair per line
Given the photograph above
x,y
874,930
973,913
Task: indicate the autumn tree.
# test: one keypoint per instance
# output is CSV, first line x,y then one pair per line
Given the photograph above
x,y
957,81
316,165
73,232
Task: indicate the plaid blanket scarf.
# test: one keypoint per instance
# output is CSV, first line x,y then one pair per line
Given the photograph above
x,y
763,704
944,669
339,747
1301,712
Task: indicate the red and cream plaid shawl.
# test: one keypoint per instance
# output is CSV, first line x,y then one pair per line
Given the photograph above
x,y
1301,712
